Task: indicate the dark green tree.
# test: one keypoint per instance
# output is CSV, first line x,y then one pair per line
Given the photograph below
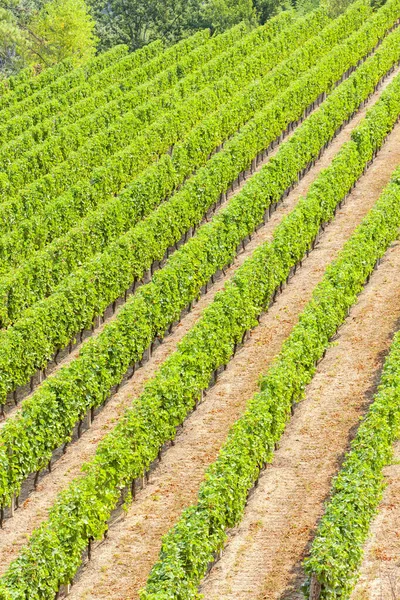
x,y
22,10
220,15
305,6
138,22
41,33
12,43
265,9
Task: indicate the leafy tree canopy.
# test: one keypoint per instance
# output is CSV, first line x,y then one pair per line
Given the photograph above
x,y
14,15
222,14
266,9
12,41
137,22
36,32
61,29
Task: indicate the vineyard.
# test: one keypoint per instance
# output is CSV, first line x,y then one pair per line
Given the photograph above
x,y
199,317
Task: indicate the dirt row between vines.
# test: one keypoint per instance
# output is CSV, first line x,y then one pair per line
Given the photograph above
x,y
380,570
35,508
120,565
264,552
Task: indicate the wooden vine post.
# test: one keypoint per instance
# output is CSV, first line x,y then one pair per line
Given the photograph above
x,y
315,588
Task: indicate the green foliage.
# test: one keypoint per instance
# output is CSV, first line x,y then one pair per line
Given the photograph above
x,y
65,175
305,6
76,296
222,14
68,93
56,80
49,32
62,29
138,22
200,533
111,129
22,10
99,109
42,34
13,44
250,58
335,7
82,510
265,9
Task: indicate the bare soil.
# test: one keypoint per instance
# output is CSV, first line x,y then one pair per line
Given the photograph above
x,y
380,570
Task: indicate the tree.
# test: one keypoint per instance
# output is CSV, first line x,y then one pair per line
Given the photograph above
x,y
305,6
22,10
61,29
138,22
335,7
12,43
221,14
265,9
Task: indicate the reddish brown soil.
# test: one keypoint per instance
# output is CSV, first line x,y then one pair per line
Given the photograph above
x,y
380,570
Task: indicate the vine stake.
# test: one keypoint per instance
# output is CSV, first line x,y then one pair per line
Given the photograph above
x,y
315,588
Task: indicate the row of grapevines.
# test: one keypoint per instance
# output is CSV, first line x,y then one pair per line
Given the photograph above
x,y
41,161
80,513
51,323
99,148
47,85
143,64
47,418
30,77
154,140
75,84
67,103
124,94
200,533
61,214
37,159
337,548
74,80
117,215
122,98
73,134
